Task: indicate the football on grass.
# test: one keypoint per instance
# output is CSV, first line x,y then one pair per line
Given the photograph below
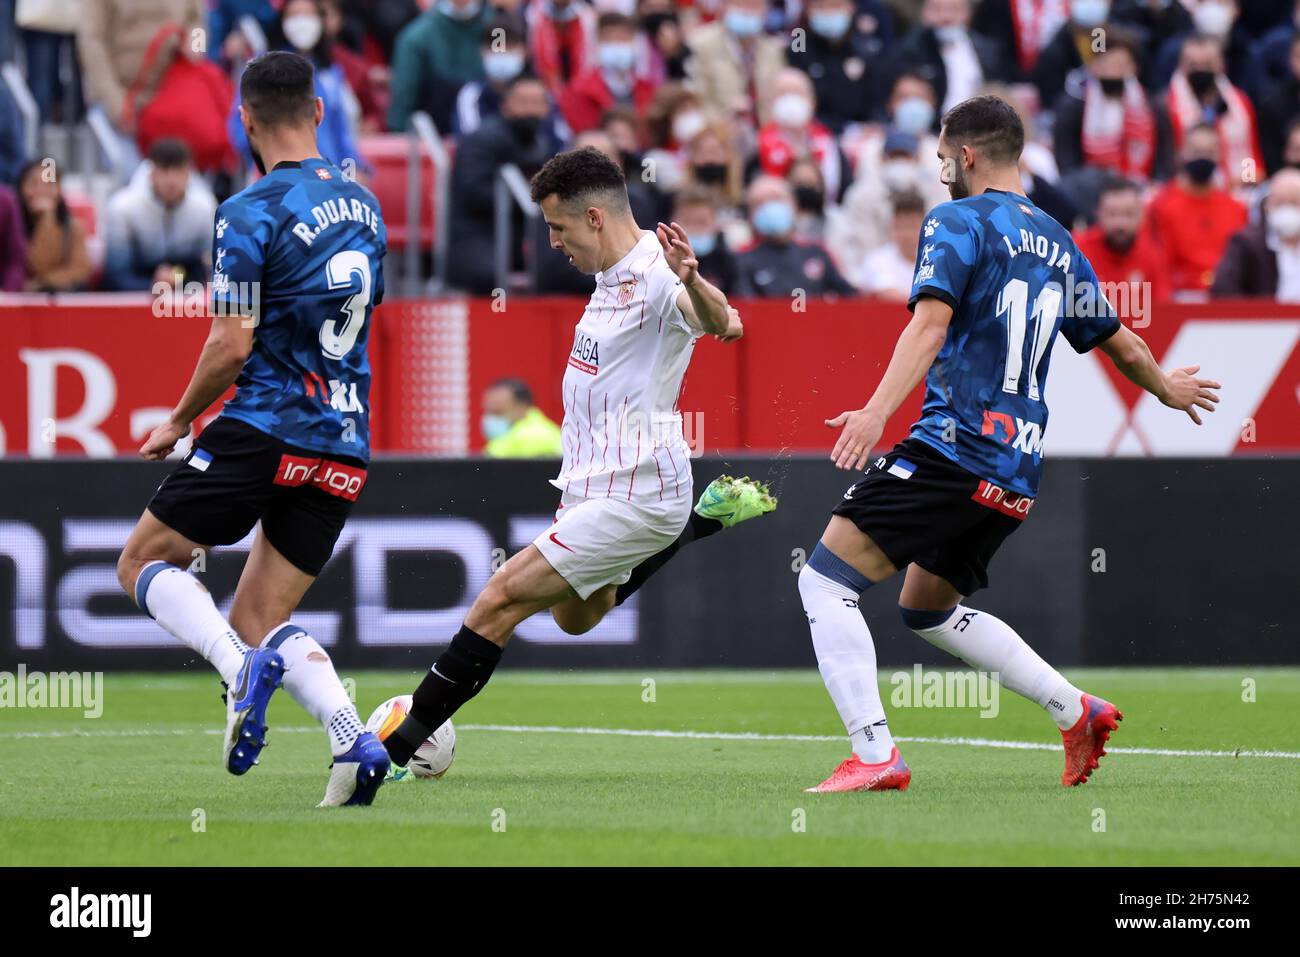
x,y
434,756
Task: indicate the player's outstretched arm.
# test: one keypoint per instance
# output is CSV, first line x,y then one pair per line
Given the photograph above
x,y
705,307
229,343
913,355
1179,389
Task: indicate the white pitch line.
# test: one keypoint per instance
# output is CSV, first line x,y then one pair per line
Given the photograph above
x,y
968,742
690,735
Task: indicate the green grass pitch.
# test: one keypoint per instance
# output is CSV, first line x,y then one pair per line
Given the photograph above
x,y
143,784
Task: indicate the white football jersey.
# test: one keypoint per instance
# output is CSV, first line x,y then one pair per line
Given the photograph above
x,y
622,432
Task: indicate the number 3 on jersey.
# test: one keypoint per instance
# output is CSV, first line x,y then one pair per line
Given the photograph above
x,y
1014,301
336,341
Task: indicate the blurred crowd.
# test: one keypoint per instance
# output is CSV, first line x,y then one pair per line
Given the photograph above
x,y
795,141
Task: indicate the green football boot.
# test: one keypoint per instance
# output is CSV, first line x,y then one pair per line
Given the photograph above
x,y
734,500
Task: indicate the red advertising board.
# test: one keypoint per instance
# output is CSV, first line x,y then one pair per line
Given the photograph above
x,y
92,375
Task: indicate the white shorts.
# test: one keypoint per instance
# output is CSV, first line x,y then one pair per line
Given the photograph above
x,y
598,541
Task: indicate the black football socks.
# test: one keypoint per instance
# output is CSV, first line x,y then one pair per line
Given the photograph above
x,y
698,527
459,673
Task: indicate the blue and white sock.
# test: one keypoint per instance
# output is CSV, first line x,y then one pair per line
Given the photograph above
x,y
846,655
183,606
311,680
989,644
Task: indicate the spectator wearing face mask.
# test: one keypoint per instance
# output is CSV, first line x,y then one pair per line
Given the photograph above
x,y
793,134
887,271
714,165
733,63
515,136
1263,259
561,41
1279,105
1074,45
812,212
898,157
1192,217
776,266
513,426
1199,92
695,211
302,26
1110,123
843,62
1118,247
612,81
436,54
662,39
911,108
505,56
1218,22
955,60
673,118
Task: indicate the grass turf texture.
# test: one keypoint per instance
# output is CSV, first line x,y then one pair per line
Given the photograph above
x,y
124,789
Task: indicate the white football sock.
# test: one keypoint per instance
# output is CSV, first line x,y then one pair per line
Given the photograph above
x,y
183,606
311,680
846,657
989,644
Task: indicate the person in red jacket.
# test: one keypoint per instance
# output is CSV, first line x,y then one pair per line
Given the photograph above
x,y
1120,251
613,80
1193,217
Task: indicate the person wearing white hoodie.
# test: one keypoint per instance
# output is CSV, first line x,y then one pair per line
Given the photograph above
x,y
160,223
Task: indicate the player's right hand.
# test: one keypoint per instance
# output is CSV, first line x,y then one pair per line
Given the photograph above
x,y
862,431
1183,391
162,440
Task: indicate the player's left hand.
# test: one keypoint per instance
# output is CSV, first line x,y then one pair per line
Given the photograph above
x,y
735,329
862,429
162,440
677,252
1183,391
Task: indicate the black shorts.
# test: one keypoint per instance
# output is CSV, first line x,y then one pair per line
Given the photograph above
x,y
236,475
920,507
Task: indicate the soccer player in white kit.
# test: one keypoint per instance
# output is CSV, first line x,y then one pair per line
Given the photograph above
x,y
625,482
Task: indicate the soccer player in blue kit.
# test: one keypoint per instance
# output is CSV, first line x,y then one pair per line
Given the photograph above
x,y
297,272
996,279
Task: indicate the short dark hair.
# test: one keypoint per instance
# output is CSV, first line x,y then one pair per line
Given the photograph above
x,y
989,124
518,389
508,28
694,195
916,75
579,176
613,19
170,153
909,201
279,88
1117,184
1119,39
